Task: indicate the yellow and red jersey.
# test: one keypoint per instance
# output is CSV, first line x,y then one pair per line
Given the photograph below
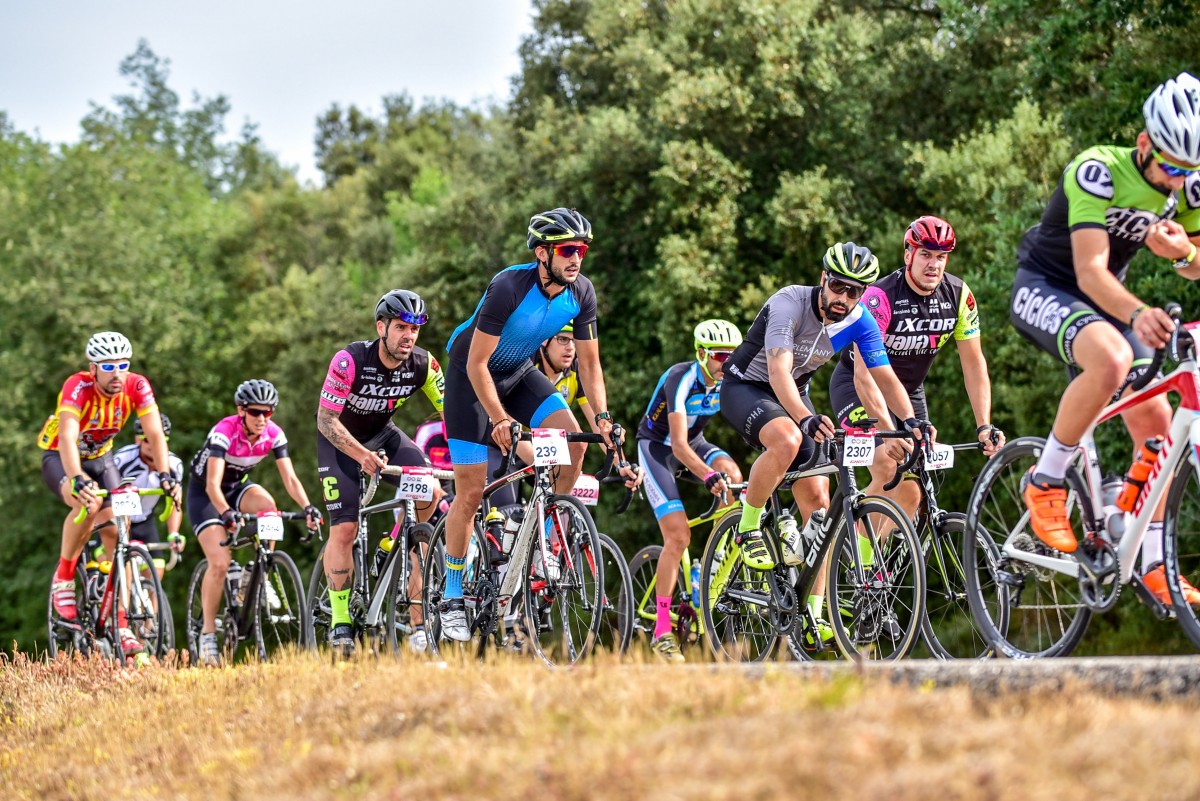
x,y
100,418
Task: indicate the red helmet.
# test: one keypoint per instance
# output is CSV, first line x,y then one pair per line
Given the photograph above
x,y
931,233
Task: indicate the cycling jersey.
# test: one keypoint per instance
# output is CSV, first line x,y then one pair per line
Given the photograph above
x,y
136,472
680,389
791,319
367,393
518,310
916,326
100,418
227,440
568,385
1103,188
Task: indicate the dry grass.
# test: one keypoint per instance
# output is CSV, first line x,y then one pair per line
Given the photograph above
x,y
306,729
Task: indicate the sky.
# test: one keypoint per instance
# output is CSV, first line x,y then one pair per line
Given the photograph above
x,y
280,64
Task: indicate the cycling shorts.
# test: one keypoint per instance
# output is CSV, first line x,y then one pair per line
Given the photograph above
x,y
526,394
849,411
102,470
339,473
1051,316
200,510
660,467
748,406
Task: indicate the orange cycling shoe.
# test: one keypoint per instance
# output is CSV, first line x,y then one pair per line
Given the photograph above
x,y
1156,581
1047,504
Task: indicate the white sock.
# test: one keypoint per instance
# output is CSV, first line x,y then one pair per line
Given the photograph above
x,y
1152,545
1055,458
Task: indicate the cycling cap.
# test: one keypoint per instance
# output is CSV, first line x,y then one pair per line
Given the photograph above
x,y
852,262
1172,115
257,391
558,225
139,432
931,233
403,305
107,346
717,334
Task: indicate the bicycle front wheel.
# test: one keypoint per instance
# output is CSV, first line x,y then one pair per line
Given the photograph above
x,y
283,620
876,587
1181,544
72,637
479,592
402,604
948,627
643,568
735,600
226,622
144,610
616,623
564,583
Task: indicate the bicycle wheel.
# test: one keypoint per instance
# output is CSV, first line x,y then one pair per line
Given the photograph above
x,y
227,634
320,614
479,592
735,599
144,609
616,624
283,620
644,569
1181,544
1023,611
948,627
876,600
404,592
76,637
564,582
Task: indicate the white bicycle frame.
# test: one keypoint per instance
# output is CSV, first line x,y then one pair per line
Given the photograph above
x,y
1182,441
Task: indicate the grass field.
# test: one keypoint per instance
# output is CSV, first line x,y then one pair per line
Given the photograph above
x,y
307,729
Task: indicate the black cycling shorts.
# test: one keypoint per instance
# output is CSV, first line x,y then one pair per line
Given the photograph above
x,y
660,466
102,470
200,510
526,394
339,474
748,406
848,409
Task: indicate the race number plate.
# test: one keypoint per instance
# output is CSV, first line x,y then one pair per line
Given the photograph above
x,y
416,484
126,503
587,489
550,447
859,451
940,457
270,526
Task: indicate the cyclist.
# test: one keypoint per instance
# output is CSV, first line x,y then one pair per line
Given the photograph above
x,y
367,382
918,309
670,438
135,464
92,407
765,391
1069,296
491,379
220,487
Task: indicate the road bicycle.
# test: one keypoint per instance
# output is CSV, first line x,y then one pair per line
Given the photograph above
x,y
128,588
386,584
1030,600
262,603
617,616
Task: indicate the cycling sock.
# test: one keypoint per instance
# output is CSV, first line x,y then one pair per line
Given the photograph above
x,y
454,571
1152,546
122,619
1055,458
66,569
751,515
866,551
339,605
816,605
662,623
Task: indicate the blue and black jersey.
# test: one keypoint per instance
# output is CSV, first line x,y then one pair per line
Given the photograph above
x,y
681,389
517,309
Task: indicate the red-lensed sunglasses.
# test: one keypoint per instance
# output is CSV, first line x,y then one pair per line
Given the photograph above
x,y
721,356
567,251
259,412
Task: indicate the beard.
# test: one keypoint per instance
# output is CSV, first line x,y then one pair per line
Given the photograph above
x,y
834,313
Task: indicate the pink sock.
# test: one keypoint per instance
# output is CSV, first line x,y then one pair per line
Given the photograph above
x,y
662,623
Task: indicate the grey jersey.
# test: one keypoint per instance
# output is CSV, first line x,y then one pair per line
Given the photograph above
x,y
791,319
134,471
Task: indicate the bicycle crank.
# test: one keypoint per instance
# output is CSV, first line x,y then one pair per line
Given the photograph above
x,y
1099,592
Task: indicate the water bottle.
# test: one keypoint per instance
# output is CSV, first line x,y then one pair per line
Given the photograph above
x,y
789,532
385,547
812,529
94,585
696,584
511,526
233,583
1135,479
244,585
1114,517
494,527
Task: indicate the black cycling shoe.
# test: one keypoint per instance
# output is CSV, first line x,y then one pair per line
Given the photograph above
x,y
341,640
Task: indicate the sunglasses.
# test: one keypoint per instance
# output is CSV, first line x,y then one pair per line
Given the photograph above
x,y
721,356
1170,168
259,412
564,340
112,367
840,287
567,251
412,319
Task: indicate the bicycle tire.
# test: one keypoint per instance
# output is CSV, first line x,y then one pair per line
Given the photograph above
x,y
143,614
397,604
616,628
737,630
562,614
71,638
226,623
474,573
1181,544
876,612
1042,614
283,621
948,627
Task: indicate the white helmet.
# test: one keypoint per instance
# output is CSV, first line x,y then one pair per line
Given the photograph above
x,y
1172,115
108,346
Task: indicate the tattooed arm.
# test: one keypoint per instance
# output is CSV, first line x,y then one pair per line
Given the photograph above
x,y
330,426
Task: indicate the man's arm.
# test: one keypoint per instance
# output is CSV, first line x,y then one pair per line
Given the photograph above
x,y
330,425
976,379
68,442
591,378
1089,250
779,371
868,391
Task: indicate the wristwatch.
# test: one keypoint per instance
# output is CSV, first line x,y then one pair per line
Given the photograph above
x,y
1182,263
604,416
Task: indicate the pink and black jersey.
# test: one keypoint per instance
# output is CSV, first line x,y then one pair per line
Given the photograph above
x,y
366,393
227,440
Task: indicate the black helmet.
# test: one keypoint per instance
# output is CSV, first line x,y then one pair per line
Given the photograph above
x,y
257,391
402,305
166,424
558,225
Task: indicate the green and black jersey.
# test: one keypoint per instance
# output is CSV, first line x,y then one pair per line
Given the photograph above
x,y
1103,188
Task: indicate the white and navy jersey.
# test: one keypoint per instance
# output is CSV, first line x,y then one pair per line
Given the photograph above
x,y
136,472
791,319
681,389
